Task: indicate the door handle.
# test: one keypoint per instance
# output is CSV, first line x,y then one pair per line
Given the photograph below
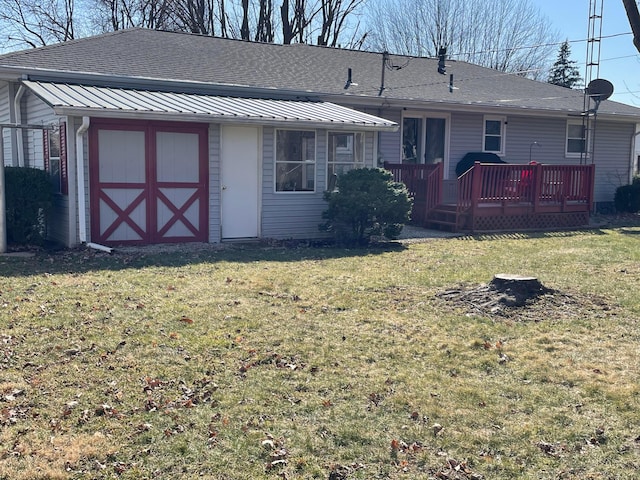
x,y
224,187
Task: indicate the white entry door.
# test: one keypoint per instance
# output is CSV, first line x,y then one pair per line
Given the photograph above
x,y
239,182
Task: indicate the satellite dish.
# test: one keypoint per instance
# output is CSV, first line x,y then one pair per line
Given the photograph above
x,y
599,89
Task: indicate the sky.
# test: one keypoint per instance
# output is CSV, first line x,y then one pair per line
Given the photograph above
x,y
619,59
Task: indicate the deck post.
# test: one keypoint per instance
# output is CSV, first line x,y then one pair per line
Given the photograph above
x,y
537,185
476,190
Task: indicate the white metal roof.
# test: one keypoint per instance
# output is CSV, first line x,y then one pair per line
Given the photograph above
x,y
83,100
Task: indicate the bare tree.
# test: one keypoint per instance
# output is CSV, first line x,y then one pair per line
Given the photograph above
x,y
112,15
508,35
35,23
264,27
335,14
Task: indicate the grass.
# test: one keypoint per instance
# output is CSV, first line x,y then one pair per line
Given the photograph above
x,y
265,362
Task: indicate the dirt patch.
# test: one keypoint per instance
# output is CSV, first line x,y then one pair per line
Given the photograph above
x,y
522,303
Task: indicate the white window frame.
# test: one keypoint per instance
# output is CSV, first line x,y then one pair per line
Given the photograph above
x,y
302,162
423,135
346,150
55,161
502,136
586,138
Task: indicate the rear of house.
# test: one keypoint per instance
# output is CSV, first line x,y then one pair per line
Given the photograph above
x,y
165,147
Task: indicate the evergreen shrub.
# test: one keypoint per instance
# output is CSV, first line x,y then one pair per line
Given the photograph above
x,y
627,197
367,202
29,198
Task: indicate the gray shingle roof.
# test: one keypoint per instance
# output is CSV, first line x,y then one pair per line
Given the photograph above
x,y
170,56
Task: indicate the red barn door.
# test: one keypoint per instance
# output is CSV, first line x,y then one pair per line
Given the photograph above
x,y
149,182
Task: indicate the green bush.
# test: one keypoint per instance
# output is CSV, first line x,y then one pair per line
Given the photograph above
x,y
627,197
29,199
367,202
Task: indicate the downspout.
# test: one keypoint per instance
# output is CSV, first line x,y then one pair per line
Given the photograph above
x,y
18,115
82,204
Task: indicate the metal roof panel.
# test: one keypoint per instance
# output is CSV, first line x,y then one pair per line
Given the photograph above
x,y
68,98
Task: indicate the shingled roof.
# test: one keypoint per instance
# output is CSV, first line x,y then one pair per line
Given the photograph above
x,y
298,68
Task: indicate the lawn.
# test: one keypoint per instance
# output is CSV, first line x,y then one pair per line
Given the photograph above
x,y
266,361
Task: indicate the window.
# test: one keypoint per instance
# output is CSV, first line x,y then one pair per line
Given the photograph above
x,y
346,152
576,138
55,158
412,140
494,135
425,138
436,131
295,161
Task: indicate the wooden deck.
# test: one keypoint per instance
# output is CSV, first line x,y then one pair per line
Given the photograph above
x,y
501,197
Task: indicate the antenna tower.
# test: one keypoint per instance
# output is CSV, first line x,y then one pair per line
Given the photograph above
x,y
592,71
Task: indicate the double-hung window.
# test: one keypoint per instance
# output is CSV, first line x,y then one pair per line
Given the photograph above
x,y
295,161
576,138
494,135
55,161
346,152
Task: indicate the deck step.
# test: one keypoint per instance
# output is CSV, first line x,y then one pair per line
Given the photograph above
x,y
443,217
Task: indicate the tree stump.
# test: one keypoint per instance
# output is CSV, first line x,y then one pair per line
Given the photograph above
x,y
517,289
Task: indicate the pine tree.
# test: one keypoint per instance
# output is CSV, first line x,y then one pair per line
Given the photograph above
x,y
564,71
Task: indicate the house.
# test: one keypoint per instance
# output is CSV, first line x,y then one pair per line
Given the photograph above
x,y
170,137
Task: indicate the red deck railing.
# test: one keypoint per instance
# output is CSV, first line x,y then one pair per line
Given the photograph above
x,y
424,183
541,188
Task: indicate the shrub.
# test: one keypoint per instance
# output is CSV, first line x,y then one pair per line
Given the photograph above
x,y
367,202
627,197
29,199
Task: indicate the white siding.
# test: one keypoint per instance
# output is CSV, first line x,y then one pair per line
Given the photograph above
x,y
612,158
214,183
5,117
36,112
612,146
466,136
292,214
389,142
298,215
